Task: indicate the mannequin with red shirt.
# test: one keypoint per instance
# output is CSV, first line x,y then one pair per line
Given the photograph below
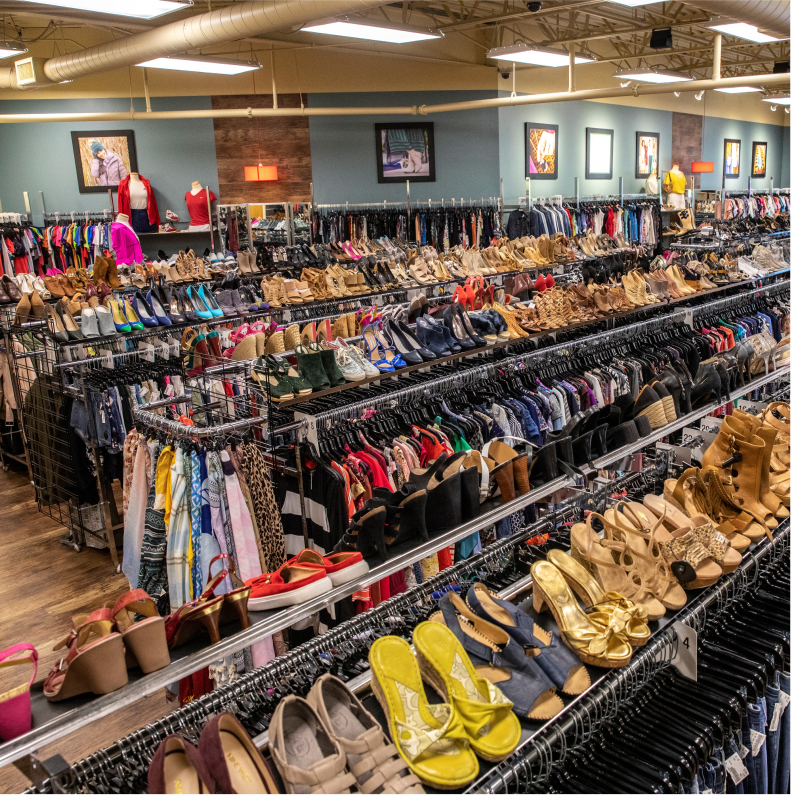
x,y
136,199
198,207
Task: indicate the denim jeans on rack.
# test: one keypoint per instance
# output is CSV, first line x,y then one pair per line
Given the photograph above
x,y
756,721
101,418
781,781
714,773
749,783
772,737
731,748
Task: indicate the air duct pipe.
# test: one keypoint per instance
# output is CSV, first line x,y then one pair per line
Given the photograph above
x,y
203,30
778,82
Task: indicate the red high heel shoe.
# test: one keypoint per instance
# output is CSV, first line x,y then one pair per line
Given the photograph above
x,y
235,601
460,296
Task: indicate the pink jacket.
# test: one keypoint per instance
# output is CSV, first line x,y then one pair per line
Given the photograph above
x,y
125,244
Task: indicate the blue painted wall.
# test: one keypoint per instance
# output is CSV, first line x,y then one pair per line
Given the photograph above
x,y
343,150
171,153
572,118
716,130
785,180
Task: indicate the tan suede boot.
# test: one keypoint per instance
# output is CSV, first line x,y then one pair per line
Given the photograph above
x,y
112,274
100,268
738,465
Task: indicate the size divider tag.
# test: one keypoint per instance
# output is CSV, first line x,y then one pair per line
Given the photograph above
x,y
107,358
309,433
147,351
681,455
736,769
753,406
756,741
711,424
686,659
688,317
286,315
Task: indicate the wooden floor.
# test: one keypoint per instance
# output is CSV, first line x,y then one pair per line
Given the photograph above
x,y
42,585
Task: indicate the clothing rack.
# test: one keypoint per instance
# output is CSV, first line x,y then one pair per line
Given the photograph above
x,y
76,216
550,745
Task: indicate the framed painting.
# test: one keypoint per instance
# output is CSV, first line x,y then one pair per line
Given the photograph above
x,y
598,153
103,158
405,152
541,151
647,158
731,162
759,159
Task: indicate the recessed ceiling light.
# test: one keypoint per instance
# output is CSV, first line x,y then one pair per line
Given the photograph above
x,y
650,76
215,66
9,48
142,9
737,90
358,30
743,31
780,99
537,56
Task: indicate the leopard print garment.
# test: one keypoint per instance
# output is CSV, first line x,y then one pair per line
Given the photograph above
x,y
267,515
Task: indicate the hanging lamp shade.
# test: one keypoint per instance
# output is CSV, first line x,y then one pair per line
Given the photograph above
x,y
260,173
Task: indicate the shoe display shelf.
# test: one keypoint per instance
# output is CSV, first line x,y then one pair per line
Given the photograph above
x,y
542,746
52,721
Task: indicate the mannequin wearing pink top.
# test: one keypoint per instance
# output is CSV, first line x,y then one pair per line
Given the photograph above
x,y
125,242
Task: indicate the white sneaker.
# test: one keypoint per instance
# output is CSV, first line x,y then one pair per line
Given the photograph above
x,y
348,364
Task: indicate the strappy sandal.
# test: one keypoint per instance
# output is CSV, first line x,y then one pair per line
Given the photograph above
x,y
95,661
16,715
145,641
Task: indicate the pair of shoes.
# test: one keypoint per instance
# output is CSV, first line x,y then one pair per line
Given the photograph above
x,y
329,742
209,611
124,315
303,577
317,364
225,760
379,351
61,324
280,379
604,635
439,742
101,646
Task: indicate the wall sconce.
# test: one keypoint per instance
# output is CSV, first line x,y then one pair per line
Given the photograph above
x,y
260,173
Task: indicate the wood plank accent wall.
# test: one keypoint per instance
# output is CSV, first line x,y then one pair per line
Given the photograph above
x,y
687,140
285,143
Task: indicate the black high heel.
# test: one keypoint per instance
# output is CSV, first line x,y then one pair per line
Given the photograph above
x,y
544,466
405,516
443,506
366,532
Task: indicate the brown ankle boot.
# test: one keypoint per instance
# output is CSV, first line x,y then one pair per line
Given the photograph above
x,y
100,269
112,274
738,463
504,475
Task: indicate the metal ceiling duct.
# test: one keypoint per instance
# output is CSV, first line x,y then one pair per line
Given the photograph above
x,y
769,16
202,30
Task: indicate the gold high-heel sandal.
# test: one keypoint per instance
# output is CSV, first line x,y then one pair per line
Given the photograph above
x,y
619,609
594,646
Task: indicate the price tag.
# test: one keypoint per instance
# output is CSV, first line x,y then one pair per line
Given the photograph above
x,y
707,792
686,659
756,741
777,713
785,699
736,769
743,750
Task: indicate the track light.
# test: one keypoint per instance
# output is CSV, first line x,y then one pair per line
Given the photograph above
x,y
773,108
699,95
625,83
787,110
677,93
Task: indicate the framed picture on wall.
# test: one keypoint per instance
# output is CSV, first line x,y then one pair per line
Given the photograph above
x,y
541,151
759,159
103,158
646,163
405,152
598,153
731,161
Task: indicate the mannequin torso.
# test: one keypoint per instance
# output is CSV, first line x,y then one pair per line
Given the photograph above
x,y
138,195
196,188
122,218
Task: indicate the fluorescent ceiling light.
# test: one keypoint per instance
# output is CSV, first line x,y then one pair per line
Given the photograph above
x,y
743,31
358,30
634,3
9,48
537,56
737,90
142,9
782,99
214,66
650,76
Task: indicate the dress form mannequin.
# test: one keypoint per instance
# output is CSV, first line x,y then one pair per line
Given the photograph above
x,y
198,207
122,218
675,184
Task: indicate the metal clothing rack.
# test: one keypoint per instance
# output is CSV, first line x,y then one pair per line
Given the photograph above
x,y
54,218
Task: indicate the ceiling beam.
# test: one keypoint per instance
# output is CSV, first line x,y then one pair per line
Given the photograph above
x,y
667,53
497,18
613,33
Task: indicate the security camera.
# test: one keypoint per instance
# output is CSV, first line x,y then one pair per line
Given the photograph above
x,y
533,7
505,75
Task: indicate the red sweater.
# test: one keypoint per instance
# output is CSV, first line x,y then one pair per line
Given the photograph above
x,y
124,203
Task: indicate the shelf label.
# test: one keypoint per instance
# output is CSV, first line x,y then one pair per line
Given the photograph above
x,y
686,659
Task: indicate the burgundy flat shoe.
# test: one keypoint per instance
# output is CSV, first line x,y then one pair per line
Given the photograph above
x,y
178,768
